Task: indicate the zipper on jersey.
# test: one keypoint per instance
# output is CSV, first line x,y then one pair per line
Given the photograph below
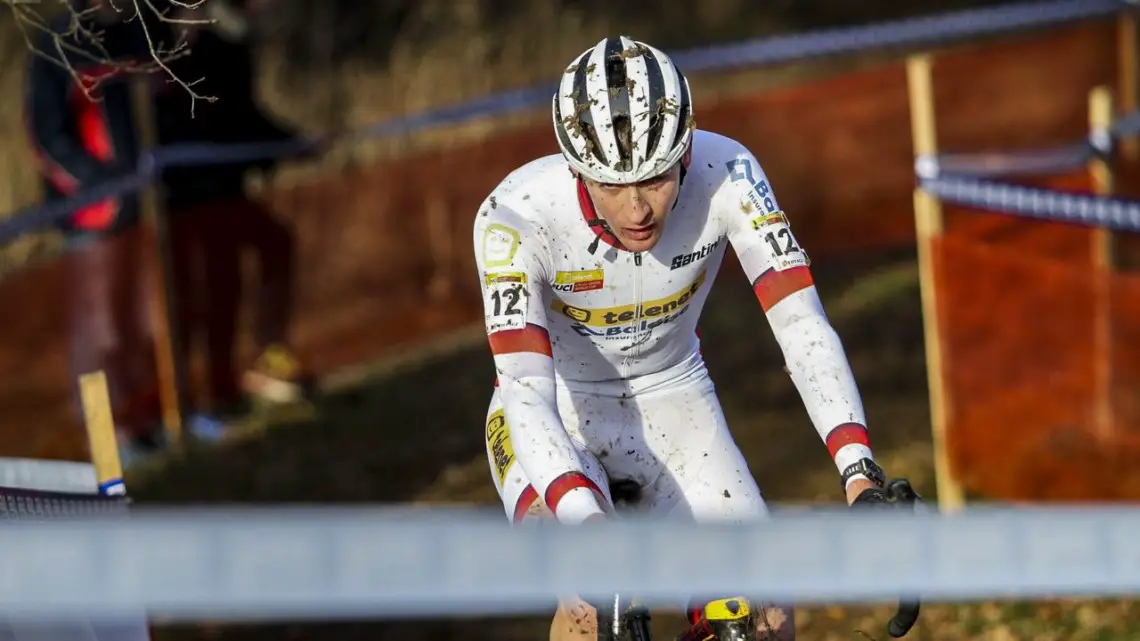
x,y
636,310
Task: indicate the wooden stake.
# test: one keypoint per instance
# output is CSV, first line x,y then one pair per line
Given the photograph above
x,y
928,226
100,425
171,369
1128,75
1100,171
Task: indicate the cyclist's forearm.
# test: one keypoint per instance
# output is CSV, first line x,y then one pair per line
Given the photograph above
x,y
815,360
544,449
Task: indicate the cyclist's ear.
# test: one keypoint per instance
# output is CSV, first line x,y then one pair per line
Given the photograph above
x,y
688,157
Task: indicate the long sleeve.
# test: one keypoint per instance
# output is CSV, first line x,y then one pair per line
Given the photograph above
x,y
513,275
52,129
779,271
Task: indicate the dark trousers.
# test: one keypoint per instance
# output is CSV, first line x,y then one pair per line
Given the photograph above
x,y
109,291
109,323
209,242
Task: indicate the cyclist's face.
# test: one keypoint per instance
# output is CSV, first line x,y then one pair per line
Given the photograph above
x,y
636,213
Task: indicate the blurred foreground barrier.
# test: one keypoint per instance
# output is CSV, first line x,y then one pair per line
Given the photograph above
x,y
909,33
280,564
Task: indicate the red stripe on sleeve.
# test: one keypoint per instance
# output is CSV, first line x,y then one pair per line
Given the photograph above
x,y
846,434
522,506
531,338
560,486
774,286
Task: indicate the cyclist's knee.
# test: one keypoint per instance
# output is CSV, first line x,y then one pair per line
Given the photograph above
x,y
776,623
574,620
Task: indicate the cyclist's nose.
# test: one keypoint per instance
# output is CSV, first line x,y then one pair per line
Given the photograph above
x,y
639,208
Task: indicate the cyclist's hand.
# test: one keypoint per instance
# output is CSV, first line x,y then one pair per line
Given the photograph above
x,y
896,493
863,492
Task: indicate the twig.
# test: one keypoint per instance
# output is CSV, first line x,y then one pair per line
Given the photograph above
x,y
83,40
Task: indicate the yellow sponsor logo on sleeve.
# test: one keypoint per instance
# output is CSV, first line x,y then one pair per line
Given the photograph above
x,y
493,278
499,443
774,218
499,245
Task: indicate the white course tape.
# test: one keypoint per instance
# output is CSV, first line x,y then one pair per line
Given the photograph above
x,y
48,475
278,564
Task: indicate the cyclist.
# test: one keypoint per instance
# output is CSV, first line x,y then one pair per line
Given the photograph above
x,y
594,266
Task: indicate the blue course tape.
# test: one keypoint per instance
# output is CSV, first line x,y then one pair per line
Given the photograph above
x,y
1113,213
1021,162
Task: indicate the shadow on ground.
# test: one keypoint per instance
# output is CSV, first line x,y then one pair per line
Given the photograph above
x,y
384,441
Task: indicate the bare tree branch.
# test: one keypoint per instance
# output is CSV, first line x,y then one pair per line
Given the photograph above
x,y
83,40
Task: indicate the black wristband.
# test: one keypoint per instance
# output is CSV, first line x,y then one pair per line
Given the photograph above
x,y
867,468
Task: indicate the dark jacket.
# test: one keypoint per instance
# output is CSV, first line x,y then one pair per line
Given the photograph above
x,y
223,69
81,142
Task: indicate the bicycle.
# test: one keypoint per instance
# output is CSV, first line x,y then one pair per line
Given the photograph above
x,y
733,618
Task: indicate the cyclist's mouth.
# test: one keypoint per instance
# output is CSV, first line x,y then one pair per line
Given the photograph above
x,y
641,233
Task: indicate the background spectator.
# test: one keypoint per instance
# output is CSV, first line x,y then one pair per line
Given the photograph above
x,y
84,136
214,220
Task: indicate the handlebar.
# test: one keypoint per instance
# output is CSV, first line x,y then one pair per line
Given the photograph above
x,y
904,619
901,494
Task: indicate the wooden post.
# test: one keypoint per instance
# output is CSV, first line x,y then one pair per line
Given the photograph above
x,y
100,426
1100,171
928,225
171,369
1128,75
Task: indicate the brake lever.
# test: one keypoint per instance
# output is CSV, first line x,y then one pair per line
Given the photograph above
x,y
901,491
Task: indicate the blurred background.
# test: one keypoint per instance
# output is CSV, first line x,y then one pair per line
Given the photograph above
x,y
324,296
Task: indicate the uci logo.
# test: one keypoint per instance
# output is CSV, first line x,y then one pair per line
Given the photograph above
x,y
577,313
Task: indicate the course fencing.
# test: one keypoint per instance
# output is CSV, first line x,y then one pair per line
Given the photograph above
x,y
289,564
1038,324
40,491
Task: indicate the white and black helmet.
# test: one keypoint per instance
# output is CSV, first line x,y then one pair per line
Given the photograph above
x,y
622,113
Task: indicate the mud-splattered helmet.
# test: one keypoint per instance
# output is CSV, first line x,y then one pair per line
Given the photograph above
x,y
623,113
